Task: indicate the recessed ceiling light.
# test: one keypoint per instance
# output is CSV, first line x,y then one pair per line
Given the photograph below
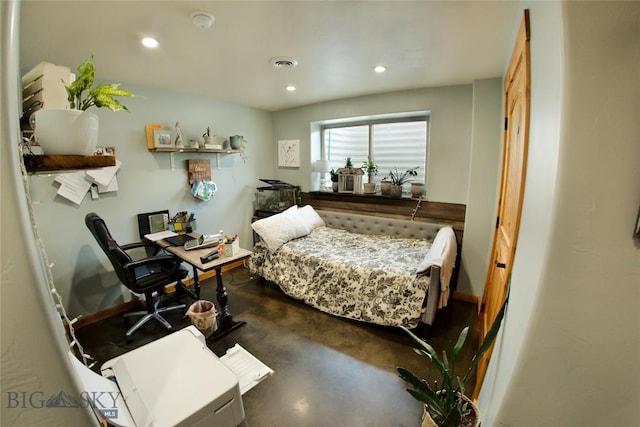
x,y
290,88
380,69
150,42
202,19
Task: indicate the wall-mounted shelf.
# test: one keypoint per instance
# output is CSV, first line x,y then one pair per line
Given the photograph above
x,y
174,150
51,163
194,150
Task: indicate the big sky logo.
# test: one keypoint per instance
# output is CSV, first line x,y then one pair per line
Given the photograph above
x,y
105,402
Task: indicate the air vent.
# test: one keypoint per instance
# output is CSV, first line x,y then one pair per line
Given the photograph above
x,y
284,62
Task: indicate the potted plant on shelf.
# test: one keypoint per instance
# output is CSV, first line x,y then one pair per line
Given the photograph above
x,y
445,404
398,179
334,180
371,169
75,131
208,138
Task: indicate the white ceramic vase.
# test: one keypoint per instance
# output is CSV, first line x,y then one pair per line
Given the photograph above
x,y
66,132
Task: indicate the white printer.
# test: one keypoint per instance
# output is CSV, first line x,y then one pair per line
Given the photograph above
x,y
173,381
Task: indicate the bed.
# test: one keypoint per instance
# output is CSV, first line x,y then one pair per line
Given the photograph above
x,y
384,271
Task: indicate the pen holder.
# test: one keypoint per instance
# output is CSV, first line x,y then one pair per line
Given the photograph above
x,y
182,226
231,249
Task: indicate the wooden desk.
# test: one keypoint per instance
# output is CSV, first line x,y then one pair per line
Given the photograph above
x,y
192,257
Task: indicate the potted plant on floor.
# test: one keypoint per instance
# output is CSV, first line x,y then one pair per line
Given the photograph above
x,y
398,179
445,404
75,131
371,169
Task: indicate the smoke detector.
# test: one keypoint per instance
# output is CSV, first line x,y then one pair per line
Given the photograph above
x,y
283,62
202,20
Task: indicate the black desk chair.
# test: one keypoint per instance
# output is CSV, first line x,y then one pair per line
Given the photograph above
x,y
142,276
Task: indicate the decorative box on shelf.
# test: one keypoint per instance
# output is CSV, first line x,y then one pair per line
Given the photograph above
x,y
350,180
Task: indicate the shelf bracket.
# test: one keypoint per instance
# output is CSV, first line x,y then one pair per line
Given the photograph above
x,y
172,162
217,160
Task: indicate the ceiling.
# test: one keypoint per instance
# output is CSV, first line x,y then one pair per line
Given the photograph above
x,y
337,44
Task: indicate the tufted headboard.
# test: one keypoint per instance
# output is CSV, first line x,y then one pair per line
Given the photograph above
x,y
368,224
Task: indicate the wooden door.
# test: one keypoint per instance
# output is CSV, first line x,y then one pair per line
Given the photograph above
x,y
514,162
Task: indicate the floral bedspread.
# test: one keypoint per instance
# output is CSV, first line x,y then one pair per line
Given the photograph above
x,y
361,277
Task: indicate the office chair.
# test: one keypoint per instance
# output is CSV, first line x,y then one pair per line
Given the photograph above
x,y
142,276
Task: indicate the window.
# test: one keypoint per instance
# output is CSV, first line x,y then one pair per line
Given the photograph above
x,y
390,143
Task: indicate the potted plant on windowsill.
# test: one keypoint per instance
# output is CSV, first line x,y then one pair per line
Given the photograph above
x,y
334,180
398,179
371,169
75,131
445,404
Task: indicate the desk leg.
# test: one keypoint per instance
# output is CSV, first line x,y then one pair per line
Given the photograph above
x,y
196,283
227,324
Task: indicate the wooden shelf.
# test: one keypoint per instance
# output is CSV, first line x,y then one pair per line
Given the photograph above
x,y
51,163
194,150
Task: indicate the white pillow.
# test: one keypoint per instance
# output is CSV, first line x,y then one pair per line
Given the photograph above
x,y
278,229
310,217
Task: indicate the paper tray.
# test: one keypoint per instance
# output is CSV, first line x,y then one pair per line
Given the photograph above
x,y
249,370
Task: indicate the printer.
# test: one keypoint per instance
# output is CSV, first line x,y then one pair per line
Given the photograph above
x,y
173,381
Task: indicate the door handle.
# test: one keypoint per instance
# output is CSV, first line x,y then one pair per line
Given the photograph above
x,y
500,265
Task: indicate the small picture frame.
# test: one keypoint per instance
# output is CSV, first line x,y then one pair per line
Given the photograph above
x,y
162,139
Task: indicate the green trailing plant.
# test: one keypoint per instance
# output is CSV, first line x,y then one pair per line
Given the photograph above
x,y
334,175
82,95
398,178
370,168
444,401
207,133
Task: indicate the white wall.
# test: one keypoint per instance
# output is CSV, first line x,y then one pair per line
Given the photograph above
x,y
569,351
147,183
449,139
30,329
484,173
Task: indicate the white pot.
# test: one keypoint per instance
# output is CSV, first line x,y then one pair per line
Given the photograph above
x,y
417,189
66,131
369,188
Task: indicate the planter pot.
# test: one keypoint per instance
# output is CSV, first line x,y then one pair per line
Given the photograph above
x,y
334,186
417,189
370,188
473,421
236,142
385,188
66,132
396,191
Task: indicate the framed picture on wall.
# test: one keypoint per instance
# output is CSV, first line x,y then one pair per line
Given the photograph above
x,y
289,153
162,139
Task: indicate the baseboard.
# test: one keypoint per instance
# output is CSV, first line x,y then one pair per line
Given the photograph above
x,y
135,303
105,314
462,296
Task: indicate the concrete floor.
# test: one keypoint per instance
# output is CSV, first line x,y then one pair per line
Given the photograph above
x,y
327,370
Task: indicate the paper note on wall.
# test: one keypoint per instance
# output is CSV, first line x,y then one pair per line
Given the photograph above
x,y
73,186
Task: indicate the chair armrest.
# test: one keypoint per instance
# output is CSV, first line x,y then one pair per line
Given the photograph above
x,y
135,245
166,262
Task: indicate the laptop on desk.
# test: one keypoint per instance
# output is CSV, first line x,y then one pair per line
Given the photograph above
x,y
178,240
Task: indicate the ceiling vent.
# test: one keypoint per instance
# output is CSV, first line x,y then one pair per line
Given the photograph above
x,y
283,62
